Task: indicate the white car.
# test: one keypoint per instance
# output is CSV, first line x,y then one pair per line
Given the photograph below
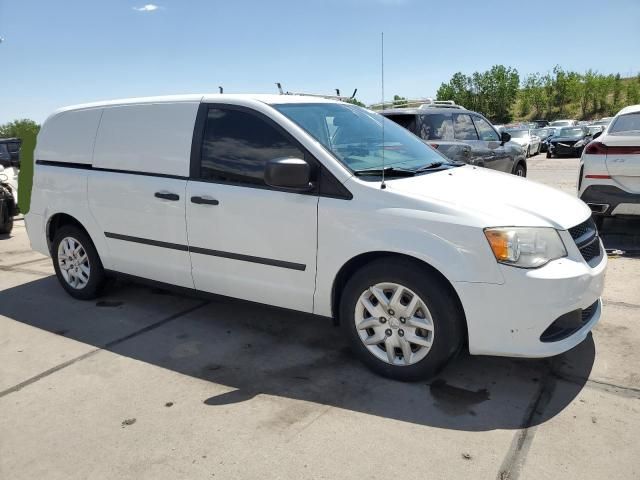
x,y
527,139
281,200
609,180
569,122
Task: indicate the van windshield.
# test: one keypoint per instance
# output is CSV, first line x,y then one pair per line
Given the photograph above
x,y
354,136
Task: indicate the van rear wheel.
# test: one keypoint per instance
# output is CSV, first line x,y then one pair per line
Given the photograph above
x,y
77,264
402,321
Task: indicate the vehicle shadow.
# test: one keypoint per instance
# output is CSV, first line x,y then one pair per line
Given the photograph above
x,y
258,350
621,234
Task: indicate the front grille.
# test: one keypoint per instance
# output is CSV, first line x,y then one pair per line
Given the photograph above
x,y
588,226
564,147
586,237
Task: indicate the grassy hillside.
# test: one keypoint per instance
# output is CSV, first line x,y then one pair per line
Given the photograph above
x,y
572,108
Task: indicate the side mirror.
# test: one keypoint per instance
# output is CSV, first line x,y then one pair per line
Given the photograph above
x,y
505,137
288,173
596,135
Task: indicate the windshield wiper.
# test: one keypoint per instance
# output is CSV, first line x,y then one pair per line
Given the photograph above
x,y
429,166
388,171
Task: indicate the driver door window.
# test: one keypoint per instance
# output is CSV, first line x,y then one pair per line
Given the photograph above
x,y
237,146
486,131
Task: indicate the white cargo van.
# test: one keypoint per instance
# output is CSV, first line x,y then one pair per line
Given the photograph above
x,y
280,200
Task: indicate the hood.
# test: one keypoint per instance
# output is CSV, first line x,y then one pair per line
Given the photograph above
x,y
494,198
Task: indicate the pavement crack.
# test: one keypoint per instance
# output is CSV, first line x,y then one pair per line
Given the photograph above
x,y
26,262
517,454
621,304
612,388
106,346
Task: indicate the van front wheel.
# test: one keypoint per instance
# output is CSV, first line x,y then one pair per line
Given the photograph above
x,y
77,264
401,320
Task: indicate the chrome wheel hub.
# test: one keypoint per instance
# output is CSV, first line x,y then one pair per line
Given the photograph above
x,y
74,263
394,324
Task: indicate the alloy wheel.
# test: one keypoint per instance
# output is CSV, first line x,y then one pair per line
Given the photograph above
x,y
394,324
74,263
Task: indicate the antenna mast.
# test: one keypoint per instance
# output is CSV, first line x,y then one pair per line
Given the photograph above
x,y
382,185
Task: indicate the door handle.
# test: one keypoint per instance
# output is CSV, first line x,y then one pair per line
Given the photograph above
x,y
168,196
204,201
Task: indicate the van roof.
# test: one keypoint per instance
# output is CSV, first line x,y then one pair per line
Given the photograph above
x,y
264,98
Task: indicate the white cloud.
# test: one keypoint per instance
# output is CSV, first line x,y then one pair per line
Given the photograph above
x,y
149,7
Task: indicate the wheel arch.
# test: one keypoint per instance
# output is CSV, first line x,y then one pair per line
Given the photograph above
x,y
59,220
520,162
357,262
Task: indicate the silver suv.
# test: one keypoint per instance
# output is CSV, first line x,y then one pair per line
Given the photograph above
x,y
462,135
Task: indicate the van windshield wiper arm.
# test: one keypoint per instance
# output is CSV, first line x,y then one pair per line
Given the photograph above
x,y
429,166
388,171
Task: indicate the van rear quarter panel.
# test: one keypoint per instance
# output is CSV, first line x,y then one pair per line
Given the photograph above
x,y
68,136
150,137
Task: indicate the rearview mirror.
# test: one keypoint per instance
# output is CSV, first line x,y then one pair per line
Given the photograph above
x,y
596,135
288,173
505,137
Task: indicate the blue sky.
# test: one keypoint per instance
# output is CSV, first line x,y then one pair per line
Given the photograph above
x,y
58,53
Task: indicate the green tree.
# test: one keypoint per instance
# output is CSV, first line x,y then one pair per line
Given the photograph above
x,y
617,87
355,101
399,102
633,93
19,129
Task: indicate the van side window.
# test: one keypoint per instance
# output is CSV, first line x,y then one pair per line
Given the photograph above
x,y
435,127
463,127
486,131
237,145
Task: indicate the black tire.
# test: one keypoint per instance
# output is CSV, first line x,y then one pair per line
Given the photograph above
x,y
6,219
549,154
447,316
96,280
520,170
528,154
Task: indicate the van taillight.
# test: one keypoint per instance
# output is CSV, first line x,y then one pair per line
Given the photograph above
x,y
596,148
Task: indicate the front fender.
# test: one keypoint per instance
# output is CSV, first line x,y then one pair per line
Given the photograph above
x,y
459,252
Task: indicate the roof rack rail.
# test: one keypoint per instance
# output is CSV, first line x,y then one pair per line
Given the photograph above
x,y
416,103
331,97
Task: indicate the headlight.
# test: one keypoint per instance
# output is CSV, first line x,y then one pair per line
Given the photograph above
x,y
525,247
580,143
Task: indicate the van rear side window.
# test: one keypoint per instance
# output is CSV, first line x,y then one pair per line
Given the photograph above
x,y
237,146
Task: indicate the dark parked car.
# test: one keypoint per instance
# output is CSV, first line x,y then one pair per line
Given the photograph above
x,y
569,141
545,135
10,152
462,135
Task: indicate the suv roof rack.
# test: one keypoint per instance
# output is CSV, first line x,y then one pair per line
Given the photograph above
x,y
337,96
421,103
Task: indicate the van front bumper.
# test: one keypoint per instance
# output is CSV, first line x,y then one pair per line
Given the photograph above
x,y
515,318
